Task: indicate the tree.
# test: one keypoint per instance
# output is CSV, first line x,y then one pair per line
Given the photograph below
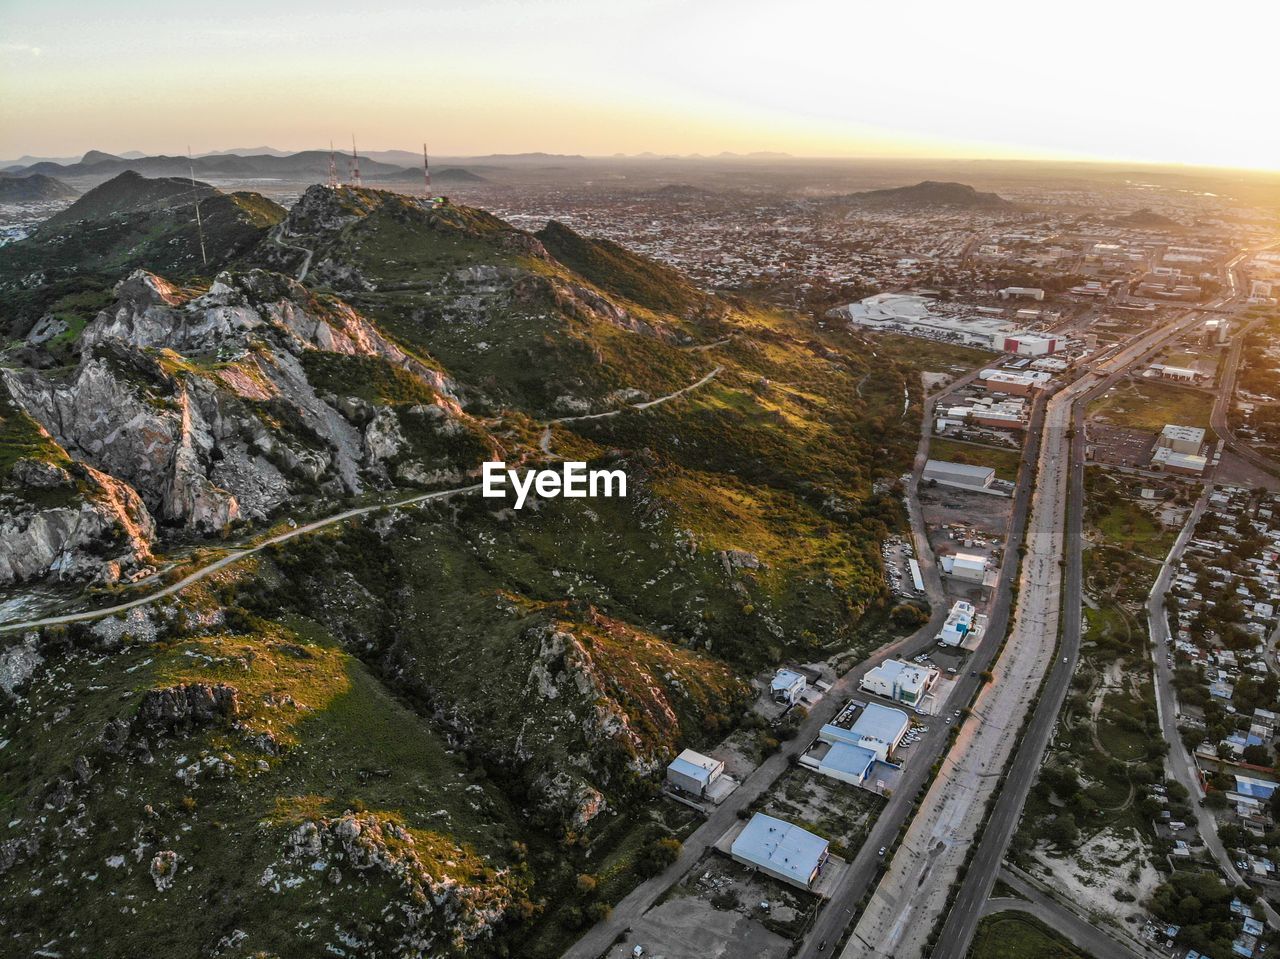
x,y
1062,831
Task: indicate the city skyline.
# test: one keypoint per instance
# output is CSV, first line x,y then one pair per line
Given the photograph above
x,y
1105,84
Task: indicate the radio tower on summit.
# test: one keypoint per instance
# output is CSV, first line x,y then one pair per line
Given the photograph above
x,y
332,182
355,163
426,172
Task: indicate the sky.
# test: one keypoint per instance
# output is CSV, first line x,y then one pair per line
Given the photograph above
x,y
1180,81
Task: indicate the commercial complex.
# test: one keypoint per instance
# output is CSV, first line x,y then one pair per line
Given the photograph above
x,y
877,728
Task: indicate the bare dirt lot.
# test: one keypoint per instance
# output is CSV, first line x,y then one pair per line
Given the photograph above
x,y
719,913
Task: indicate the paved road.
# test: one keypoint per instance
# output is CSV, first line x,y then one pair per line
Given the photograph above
x,y
636,903
1082,932
237,555
1220,417
962,919
230,558
994,837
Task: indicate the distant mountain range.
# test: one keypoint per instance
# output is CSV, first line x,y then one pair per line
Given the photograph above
x,y
930,193
310,164
33,189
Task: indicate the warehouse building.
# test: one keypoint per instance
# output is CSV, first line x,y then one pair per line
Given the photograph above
x,y
1184,464
969,566
1029,292
1181,439
1015,384
779,849
847,763
1179,374
961,475
900,680
693,772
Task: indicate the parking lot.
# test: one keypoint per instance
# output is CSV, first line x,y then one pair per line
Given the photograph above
x,y
1120,446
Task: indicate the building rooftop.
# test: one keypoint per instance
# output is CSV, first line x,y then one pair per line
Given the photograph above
x,y
959,469
786,678
695,765
884,724
782,847
1191,434
849,758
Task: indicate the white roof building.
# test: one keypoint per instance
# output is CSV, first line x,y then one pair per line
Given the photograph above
x,y
787,686
694,772
903,681
1181,439
969,566
877,728
781,850
958,625
963,475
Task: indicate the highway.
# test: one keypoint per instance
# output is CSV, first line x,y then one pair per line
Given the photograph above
x,y
963,917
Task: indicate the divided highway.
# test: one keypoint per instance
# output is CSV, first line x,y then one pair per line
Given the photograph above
x,y
968,907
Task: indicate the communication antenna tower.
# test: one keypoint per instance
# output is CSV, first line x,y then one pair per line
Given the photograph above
x,y
191,168
332,182
426,171
355,163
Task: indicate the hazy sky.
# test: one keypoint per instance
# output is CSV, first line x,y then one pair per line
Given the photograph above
x,y
1172,81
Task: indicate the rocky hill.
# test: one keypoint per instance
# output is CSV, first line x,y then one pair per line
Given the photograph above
x,y
36,188
930,193
406,733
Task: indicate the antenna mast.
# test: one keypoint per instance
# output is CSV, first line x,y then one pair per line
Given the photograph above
x,y
426,171
191,168
355,163
332,182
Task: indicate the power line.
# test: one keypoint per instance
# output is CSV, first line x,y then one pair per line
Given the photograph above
x,y
191,167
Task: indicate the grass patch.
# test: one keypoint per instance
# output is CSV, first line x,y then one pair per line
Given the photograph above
x,y
1008,935
1004,461
1150,405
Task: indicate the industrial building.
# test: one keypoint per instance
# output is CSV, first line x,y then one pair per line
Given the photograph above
x,y
900,680
877,728
693,772
1179,374
1181,439
958,625
1029,292
1027,344
1015,384
787,687
1171,461
846,762
969,566
961,475
779,849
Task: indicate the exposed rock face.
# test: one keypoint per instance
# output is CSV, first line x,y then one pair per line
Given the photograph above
x,y
434,913
187,707
238,429
18,663
103,532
